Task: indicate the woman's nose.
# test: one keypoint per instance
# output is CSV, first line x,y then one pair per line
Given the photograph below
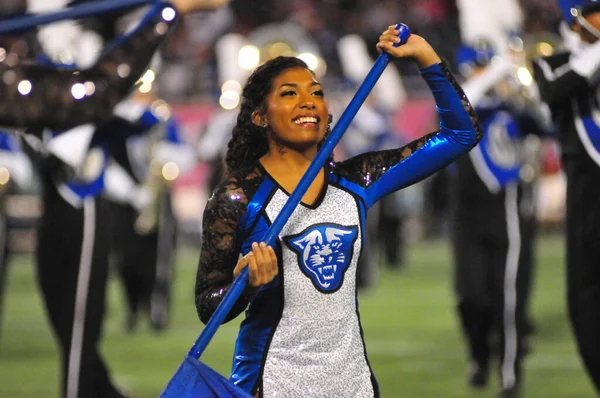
x,y
308,103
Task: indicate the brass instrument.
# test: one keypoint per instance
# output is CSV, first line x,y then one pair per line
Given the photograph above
x,y
518,88
158,176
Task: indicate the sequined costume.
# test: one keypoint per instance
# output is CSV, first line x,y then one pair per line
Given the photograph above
x,y
302,334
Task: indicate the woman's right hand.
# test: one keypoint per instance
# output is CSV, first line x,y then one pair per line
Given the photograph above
x,y
261,263
415,48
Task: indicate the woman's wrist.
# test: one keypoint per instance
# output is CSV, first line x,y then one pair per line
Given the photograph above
x,y
427,58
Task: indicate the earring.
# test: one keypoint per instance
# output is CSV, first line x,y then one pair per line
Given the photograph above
x,y
264,124
329,118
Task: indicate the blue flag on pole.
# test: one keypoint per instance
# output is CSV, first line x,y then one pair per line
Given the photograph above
x,y
194,380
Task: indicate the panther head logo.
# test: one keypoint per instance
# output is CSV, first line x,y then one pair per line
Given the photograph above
x,y
324,252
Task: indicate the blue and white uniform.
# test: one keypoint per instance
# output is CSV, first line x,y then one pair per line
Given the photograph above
x,y
302,334
493,221
144,225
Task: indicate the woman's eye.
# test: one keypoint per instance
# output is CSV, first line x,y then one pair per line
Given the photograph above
x,y
319,93
286,93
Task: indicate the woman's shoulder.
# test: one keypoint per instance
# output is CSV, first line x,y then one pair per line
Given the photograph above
x,y
347,167
238,186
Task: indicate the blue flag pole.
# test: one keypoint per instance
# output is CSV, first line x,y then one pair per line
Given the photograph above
x,y
182,378
26,22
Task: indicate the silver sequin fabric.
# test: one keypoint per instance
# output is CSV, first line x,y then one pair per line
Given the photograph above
x,y
317,349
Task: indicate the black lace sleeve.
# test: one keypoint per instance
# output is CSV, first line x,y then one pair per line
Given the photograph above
x,y
39,95
221,246
459,132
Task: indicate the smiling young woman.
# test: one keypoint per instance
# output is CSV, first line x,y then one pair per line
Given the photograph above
x,y
302,334
296,118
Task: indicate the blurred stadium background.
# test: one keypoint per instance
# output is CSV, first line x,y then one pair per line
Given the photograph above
x,y
408,314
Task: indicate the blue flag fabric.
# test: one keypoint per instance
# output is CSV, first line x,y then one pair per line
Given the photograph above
x,y
196,380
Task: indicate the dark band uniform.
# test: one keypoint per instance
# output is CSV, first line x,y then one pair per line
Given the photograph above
x,y
63,109
568,82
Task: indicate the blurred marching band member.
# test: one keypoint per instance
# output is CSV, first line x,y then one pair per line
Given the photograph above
x,y
68,113
143,227
73,233
493,196
568,83
301,295
212,145
372,130
143,223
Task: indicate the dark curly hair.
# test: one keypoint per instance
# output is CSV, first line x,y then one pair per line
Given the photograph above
x,y
248,141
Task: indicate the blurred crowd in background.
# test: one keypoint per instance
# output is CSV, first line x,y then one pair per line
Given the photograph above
x,y
192,81
190,54
192,72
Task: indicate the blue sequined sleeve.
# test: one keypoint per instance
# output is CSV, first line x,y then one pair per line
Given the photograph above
x,y
382,172
42,95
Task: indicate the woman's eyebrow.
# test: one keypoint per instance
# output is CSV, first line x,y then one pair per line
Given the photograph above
x,y
295,85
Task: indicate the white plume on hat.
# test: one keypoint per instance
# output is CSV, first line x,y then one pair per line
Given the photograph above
x,y
389,92
65,42
489,19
